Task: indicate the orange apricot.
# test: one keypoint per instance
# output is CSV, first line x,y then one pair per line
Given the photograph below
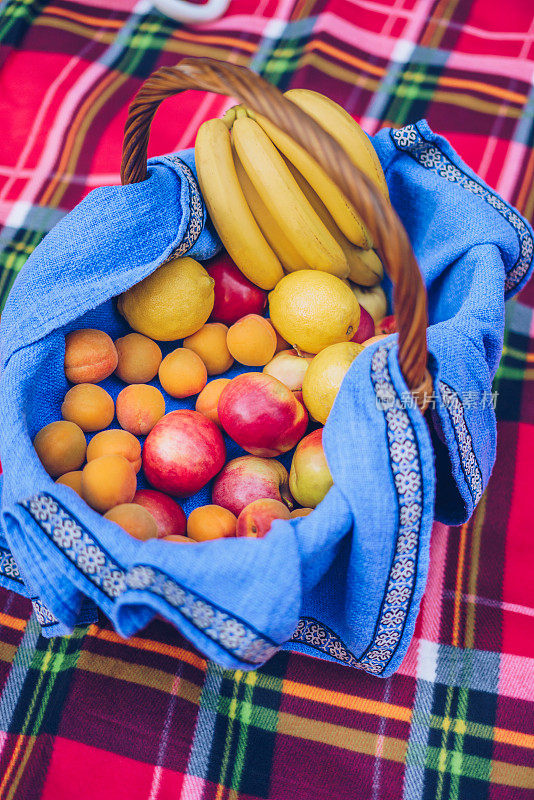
x,y
134,519
73,480
90,356
177,537
300,512
281,343
183,373
116,443
139,407
252,340
108,481
211,522
210,344
208,399
61,447
89,406
138,358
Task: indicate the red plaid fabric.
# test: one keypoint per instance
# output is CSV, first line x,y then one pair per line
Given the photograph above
x,y
94,716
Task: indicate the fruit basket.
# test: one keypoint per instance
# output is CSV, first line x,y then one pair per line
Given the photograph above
x,y
409,439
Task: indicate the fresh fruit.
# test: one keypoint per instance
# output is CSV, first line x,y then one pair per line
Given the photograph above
x,y
365,268
285,201
256,519
235,295
324,377
310,478
169,516
139,407
344,129
366,328
108,481
374,339
301,512
208,399
250,478
289,256
228,208
209,343
60,447
252,340
387,325
289,367
281,343
211,522
183,452
261,414
89,406
90,356
373,299
73,480
313,310
117,443
179,539
173,302
355,264
134,519
139,358
183,373
343,212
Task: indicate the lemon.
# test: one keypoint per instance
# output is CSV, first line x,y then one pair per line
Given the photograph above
x,y
324,376
311,310
171,303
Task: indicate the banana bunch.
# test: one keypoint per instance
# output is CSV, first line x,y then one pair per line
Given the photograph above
x,y
274,207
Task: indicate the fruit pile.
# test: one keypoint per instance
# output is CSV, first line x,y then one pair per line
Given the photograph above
x,y
288,229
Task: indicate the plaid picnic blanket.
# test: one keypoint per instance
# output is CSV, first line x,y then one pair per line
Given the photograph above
x,y
94,716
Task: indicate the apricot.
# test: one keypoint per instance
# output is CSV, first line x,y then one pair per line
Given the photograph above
x,y
138,358
208,399
134,519
139,407
252,340
108,481
210,344
177,537
90,356
73,480
116,443
211,522
61,447
300,512
183,373
89,406
281,343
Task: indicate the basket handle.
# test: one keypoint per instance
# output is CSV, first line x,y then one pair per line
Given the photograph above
x,y
389,235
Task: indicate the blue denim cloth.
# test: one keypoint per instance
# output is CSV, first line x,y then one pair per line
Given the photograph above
x,y
344,583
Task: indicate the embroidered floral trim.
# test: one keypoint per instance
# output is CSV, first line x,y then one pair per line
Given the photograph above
x,y
8,566
410,139
313,633
407,475
196,209
45,618
92,560
231,633
464,442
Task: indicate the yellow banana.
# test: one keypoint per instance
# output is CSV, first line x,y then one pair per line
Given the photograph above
x,y
228,208
362,269
344,129
289,256
344,214
284,200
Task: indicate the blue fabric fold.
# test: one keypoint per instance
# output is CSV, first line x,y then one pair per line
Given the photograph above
x,y
344,583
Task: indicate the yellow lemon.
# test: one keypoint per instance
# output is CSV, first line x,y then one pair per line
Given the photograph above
x,y
171,303
311,310
324,377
